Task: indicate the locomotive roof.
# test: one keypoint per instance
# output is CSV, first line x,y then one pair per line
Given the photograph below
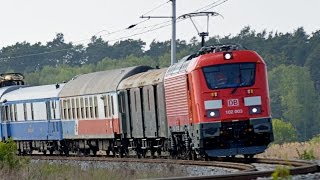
x,y
150,77
34,92
179,67
99,82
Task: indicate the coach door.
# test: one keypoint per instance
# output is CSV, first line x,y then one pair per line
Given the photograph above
x,y
125,116
5,134
137,119
161,110
150,113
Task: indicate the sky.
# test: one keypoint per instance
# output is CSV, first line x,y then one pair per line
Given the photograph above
x,y
40,20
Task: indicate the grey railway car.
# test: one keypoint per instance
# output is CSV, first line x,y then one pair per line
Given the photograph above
x,y
142,105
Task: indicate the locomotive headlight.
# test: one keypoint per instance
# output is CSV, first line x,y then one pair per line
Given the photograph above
x,y
228,55
213,113
255,110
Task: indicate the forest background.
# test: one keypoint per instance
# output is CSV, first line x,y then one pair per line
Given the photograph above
x,y
293,61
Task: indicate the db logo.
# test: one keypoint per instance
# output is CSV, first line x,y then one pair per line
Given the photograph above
x,y
233,102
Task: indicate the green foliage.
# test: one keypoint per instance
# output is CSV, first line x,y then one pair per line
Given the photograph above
x,y
313,64
315,139
8,157
294,98
283,131
307,155
281,172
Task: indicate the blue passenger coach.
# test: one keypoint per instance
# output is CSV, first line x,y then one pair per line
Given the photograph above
x,y
31,117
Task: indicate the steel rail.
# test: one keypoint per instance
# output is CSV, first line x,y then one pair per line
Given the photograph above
x,y
298,167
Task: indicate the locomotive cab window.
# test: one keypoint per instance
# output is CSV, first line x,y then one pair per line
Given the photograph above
x,y
230,75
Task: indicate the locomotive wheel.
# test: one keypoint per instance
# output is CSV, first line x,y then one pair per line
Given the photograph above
x,y
144,153
152,152
108,153
94,151
66,151
19,152
194,156
248,156
206,157
158,152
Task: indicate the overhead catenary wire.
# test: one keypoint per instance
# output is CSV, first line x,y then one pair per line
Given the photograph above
x,y
152,28
211,5
155,8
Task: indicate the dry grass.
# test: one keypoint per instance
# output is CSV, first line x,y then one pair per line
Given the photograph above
x,y
291,150
71,172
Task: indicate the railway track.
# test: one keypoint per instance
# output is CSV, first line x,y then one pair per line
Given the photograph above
x,y
231,165
245,167
296,167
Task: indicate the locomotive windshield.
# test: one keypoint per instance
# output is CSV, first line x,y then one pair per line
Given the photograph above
x,y
230,75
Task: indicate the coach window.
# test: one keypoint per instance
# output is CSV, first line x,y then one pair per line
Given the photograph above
x,y
64,108
86,104
53,107
15,112
7,109
65,102
32,112
69,109
73,108
91,107
9,113
82,107
61,109
109,105
105,105
78,108
95,101
3,113
25,111
48,109
112,105
122,103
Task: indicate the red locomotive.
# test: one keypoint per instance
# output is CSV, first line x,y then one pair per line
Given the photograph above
x,y
218,103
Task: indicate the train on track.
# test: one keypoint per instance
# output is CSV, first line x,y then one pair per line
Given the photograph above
x,y
212,103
